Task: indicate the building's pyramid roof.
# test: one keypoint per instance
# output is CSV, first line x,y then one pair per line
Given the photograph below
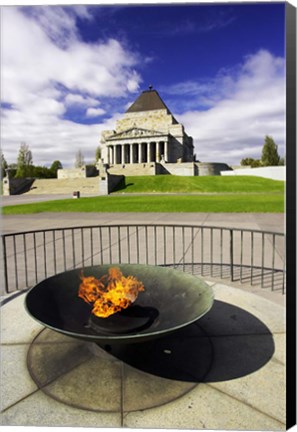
x,y
147,101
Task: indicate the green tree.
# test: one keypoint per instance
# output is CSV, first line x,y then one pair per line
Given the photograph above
x,y
79,159
54,167
41,172
256,163
98,154
12,169
4,166
270,156
24,161
253,163
247,161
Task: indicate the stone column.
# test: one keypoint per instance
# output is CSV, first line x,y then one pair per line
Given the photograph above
x,y
158,156
166,151
131,154
119,153
109,155
123,153
115,154
140,153
148,158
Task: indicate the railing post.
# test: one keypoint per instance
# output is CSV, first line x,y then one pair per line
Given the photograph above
x,y
13,254
5,264
231,256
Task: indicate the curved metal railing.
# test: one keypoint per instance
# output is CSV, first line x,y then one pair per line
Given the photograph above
x,y
245,256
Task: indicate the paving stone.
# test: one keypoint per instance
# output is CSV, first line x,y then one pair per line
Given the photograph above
x,y
264,389
142,391
69,370
49,361
228,319
94,385
41,410
203,408
280,347
16,382
17,326
268,313
239,356
184,356
245,388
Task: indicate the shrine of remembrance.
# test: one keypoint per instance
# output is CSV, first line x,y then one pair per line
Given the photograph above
x,y
146,137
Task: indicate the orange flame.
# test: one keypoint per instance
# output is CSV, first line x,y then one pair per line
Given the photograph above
x,y
110,293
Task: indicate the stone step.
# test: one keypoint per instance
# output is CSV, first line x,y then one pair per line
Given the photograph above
x,y
88,185
133,169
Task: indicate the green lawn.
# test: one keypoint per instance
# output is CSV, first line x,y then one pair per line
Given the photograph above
x,y
215,194
203,184
258,203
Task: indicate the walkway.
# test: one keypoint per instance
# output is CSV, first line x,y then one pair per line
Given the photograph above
x,y
20,223
261,221
226,371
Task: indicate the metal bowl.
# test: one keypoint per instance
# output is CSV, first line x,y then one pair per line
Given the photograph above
x,y
171,300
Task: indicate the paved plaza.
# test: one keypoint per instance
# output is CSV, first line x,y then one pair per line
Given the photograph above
x,y
262,221
225,371
228,372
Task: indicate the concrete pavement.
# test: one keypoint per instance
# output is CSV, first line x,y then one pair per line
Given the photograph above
x,y
261,221
21,223
235,355
234,358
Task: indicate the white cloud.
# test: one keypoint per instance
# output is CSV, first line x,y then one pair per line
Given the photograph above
x,y
32,61
58,25
94,112
58,140
236,125
46,69
78,99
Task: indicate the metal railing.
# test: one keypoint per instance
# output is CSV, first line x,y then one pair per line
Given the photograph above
x,y
239,255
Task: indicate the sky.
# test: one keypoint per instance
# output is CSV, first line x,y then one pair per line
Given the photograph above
x,y
69,72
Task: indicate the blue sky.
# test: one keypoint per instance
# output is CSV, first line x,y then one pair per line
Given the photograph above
x,y
70,72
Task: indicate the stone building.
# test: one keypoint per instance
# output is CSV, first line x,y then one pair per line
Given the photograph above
x,y
147,134
147,140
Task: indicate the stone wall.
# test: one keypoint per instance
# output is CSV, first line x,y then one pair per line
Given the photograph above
x,y
83,172
134,169
273,172
158,120
16,186
180,169
109,182
211,168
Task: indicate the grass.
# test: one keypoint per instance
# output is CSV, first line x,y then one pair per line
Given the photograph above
x,y
203,184
257,203
209,194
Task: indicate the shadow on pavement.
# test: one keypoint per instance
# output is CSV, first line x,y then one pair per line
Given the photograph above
x,y
227,343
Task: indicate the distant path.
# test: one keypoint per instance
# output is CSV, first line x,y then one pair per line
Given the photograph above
x,y
33,198
258,221
26,199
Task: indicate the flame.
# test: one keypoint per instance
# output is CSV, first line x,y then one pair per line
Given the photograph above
x,y
110,293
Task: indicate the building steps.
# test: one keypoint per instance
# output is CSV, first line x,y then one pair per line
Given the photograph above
x,y
88,186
